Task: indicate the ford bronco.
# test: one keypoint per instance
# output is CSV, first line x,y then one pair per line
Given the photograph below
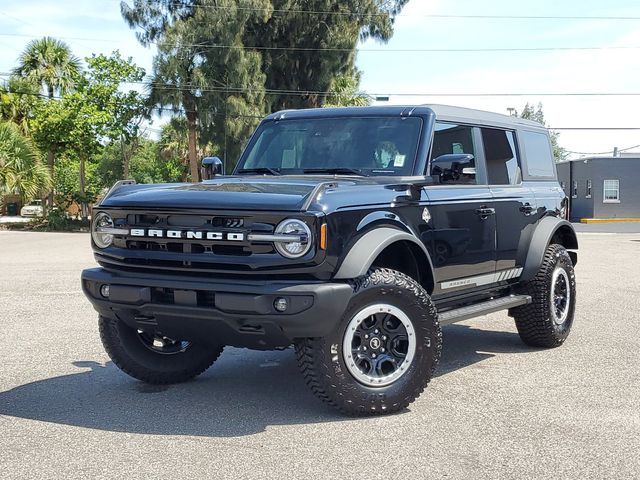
x,y
353,234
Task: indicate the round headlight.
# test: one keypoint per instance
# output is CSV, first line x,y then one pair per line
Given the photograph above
x,y
293,249
102,240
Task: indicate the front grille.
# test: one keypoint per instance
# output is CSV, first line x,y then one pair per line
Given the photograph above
x,y
154,249
197,248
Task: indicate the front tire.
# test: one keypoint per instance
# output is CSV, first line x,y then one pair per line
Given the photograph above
x,y
384,351
153,358
547,320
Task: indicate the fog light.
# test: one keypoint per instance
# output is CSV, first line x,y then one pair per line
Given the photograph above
x,y
104,291
281,304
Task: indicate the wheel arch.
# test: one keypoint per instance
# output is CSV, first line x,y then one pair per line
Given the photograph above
x,y
549,230
389,248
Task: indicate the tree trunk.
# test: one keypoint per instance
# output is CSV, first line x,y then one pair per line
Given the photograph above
x,y
125,160
50,159
193,158
50,163
83,205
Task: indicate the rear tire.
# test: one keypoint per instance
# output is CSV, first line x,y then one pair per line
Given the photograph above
x,y
152,358
547,320
384,351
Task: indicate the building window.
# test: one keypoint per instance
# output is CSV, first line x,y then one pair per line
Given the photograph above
x,y
611,191
588,191
574,189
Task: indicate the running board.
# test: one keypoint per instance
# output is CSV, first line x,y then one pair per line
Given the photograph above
x,y
483,308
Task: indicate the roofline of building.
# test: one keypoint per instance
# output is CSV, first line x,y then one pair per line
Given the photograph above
x,y
599,157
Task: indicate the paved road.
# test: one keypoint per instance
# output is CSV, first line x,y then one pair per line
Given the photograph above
x,y
497,409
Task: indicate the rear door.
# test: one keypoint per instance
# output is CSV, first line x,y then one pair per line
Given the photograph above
x,y
462,241
515,204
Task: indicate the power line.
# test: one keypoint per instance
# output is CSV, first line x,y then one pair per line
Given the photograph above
x,y
603,153
426,15
275,91
594,128
181,110
206,46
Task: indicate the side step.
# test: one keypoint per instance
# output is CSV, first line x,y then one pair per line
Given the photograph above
x,y
484,308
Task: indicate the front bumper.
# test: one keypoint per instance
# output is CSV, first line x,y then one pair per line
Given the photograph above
x,y
234,313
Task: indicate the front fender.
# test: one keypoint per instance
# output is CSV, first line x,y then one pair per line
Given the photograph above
x,y
363,253
545,231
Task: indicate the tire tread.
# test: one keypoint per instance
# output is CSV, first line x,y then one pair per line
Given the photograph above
x,y
315,367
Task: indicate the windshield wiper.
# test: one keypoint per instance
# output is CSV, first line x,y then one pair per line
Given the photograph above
x,y
262,170
336,171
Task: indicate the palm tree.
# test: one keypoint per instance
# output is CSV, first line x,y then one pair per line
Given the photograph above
x,y
49,64
344,92
20,168
175,83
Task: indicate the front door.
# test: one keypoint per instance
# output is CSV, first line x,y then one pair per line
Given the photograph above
x,y
462,241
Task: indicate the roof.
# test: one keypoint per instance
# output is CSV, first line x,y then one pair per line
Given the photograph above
x,y
480,116
442,112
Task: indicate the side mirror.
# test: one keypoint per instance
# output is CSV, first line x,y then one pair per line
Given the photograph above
x,y
211,167
454,167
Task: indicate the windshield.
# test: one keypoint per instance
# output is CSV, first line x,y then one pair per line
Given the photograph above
x,y
343,146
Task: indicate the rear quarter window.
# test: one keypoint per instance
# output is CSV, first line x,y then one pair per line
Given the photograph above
x,y
539,155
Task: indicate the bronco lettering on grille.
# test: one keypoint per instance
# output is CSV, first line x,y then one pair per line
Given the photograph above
x,y
188,234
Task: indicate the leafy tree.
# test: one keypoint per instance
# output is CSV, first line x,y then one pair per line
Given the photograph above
x,y
20,167
96,111
225,63
18,98
343,92
49,63
335,26
146,164
536,114
202,70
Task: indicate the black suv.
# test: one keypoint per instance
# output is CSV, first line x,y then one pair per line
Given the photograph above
x,y
353,234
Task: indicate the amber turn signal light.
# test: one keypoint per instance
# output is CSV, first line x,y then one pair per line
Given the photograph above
x,y
323,237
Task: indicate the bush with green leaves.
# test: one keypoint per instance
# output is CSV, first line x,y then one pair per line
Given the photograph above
x,y
21,170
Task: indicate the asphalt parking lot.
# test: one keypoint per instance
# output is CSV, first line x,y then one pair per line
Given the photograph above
x,y
496,409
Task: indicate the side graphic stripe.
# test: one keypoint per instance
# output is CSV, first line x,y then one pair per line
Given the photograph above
x,y
480,280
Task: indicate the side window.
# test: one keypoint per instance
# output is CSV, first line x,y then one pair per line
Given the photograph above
x,y
503,165
539,155
452,139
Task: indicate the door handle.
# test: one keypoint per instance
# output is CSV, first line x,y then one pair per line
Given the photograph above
x,y
485,212
527,208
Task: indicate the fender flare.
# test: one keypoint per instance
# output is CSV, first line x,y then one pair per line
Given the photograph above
x,y
367,248
542,236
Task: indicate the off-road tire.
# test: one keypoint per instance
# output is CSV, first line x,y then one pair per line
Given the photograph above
x,y
131,356
534,321
322,361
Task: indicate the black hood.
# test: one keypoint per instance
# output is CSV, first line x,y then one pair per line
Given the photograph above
x,y
225,193
260,193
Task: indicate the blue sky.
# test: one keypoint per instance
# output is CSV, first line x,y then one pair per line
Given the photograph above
x,y
389,70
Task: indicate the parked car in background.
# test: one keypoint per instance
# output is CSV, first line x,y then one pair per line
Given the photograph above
x,y
32,209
